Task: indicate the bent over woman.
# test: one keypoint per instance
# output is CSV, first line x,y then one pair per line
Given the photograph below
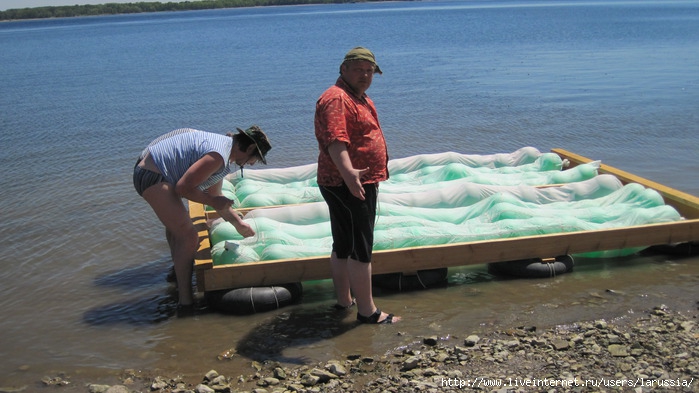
x,y
191,164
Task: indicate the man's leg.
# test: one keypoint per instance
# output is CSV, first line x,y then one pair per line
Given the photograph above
x,y
341,280
360,280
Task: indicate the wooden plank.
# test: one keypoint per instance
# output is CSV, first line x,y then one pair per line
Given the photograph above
x,y
459,254
265,273
203,258
686,204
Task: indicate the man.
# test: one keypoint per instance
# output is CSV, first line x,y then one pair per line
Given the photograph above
x,y
191,164
353,159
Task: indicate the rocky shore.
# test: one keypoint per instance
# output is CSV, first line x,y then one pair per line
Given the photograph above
x,y
657,351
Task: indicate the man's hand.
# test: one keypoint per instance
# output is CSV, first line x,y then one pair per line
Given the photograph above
x,y
351,176
354,182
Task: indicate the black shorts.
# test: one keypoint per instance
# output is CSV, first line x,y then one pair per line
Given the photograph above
x,y
143,178
352,221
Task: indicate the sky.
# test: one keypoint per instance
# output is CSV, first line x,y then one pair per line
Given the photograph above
x,y
7,4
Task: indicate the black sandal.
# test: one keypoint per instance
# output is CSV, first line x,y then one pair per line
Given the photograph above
x,y
374,318
340,307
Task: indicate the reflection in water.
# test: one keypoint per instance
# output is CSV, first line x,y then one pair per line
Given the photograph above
x,y
139,276
137,310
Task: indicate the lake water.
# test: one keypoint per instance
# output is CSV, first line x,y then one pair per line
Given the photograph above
x,y
84,259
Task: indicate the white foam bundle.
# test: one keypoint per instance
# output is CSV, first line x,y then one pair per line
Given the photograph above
x,y
458,213
272,187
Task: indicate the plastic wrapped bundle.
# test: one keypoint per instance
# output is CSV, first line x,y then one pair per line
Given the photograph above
x,y
439,171
277,175
464,193
228,252
522,156
491,213
288,186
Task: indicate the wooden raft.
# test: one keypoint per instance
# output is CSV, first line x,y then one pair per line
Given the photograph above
x,y
263,273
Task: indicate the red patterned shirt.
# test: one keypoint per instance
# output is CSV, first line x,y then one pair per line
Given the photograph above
x,y
341,116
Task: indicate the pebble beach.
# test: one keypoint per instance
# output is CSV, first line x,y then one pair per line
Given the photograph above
x,y
656,350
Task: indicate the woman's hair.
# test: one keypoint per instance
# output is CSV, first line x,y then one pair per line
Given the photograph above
x,y
243,141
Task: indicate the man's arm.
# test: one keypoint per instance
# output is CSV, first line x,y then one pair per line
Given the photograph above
x,y
351,176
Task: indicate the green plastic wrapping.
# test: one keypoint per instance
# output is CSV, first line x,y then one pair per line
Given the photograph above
x,y
432,200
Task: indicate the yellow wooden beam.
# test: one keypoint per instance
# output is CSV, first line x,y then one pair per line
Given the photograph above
x,y
460,254
686,204
199,216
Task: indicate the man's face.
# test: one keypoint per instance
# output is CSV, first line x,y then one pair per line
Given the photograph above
x,y
358,74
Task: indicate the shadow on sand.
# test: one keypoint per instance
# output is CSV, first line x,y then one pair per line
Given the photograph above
x,y
296,328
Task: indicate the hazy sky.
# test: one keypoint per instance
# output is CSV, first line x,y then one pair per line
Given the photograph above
x,y
7,4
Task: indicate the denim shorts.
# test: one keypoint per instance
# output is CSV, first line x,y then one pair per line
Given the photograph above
x,y
143,178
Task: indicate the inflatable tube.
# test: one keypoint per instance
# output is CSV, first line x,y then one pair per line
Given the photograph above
x,y
423,279
533,268
687,249
252,300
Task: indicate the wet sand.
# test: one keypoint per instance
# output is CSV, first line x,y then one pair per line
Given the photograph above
x,y
655,350
626,319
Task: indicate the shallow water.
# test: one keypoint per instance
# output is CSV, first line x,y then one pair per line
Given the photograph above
x,y
85,260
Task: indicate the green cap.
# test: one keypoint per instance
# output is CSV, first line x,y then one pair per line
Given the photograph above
x,y
360,53
260,138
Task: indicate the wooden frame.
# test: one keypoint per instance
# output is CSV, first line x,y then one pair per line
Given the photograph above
x,y
210,277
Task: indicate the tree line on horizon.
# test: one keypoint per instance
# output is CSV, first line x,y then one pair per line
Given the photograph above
x,y
139,7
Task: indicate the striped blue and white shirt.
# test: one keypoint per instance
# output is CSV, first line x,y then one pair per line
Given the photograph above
x,y
176,151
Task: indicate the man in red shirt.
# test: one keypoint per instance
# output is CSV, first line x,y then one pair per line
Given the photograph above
x,y
353,159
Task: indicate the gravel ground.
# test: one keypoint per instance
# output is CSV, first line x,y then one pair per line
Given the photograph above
x,y
656,351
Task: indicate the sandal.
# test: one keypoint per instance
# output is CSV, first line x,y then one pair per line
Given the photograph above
x,y
374,318
340,307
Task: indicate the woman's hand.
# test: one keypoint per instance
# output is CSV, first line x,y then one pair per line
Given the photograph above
x,y
231,215
244,229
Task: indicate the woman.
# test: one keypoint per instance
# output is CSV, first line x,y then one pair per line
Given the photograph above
x,y
191,164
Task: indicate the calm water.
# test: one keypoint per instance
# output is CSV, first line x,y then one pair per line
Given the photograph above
x,y
84,259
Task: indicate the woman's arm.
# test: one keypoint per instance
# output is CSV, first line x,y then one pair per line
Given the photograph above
x,y
188,187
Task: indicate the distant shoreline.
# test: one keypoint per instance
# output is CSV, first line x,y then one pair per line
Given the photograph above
x,y
71,11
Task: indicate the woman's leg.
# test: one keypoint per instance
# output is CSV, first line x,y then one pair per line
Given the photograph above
x,y
181,235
